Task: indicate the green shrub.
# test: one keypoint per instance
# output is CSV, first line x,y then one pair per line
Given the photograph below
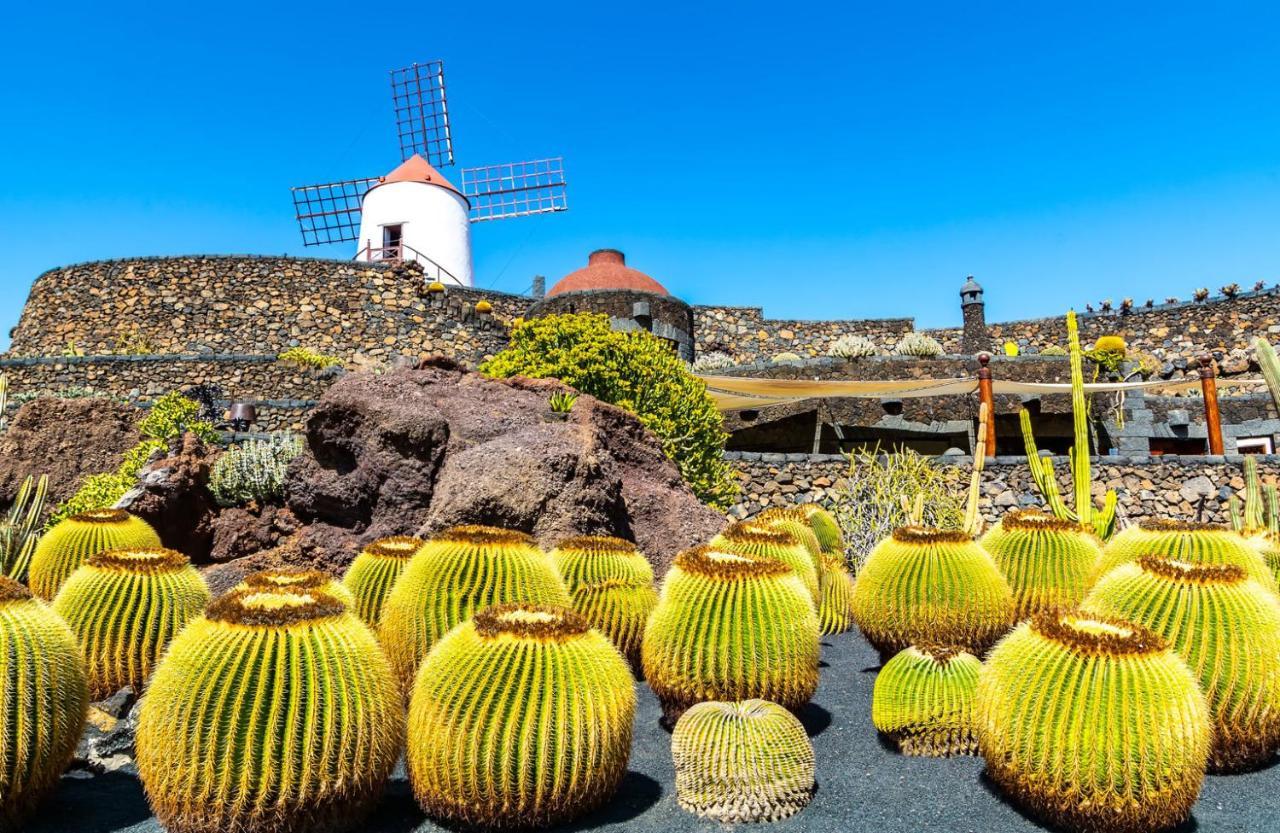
x,y
253,470
636,371
303,357
173,415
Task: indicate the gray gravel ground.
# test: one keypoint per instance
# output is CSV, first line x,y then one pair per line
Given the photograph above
x,y
862,785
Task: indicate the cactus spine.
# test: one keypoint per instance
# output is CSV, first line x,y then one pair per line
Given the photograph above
x,y
759,540
1227,629
1093,724
1049,562
520,717
275,711
619,609
742,762
373,573
1204,545
65,547
923,700
589,559
124,607
731,626
297,579
43,700
462,570
826,527
927,586
835,613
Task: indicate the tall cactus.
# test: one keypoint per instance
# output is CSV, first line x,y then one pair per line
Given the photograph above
x,y
1270,365
21,529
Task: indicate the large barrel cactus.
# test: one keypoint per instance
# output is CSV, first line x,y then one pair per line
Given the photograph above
x,y
1093,724
373,573
43,700
590,559
794,520
520,717
731,626
124,607
835,612
1048,561
923,700
764,541
826,527
274,711
927,586
460,571
742,762
299,579
65,547
1227,628
1194,543
620,610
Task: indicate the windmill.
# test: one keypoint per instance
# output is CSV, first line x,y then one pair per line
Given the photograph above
x,y
413,212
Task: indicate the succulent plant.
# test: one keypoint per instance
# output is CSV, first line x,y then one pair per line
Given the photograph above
x,y
852,346
786,357
43,700
793,520
731,626
619,609
743,761
520,717
1227,628
1048,561
1268,544
253,470
373,573
125,606
1093,724
919,344
589,559
1195,543
835,612
762,539
69,542
928,586
298,578
923,700
460,571
826,527
275,711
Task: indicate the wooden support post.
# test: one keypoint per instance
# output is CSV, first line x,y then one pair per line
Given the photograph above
x,y
986,397
1212,417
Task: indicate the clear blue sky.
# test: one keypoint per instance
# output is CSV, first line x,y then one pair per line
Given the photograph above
x,y
856,160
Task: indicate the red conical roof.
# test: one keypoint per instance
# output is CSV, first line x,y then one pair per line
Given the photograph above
x,y
417,169
607,269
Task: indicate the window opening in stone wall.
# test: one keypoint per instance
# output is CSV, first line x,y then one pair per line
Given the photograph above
x,y
1255,445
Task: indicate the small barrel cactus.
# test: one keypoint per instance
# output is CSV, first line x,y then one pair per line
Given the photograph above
x,y
373,573
1048,562
460,571
65,547
835,613
619,609
923,701
274,711
1227,628
928,586
124,607
1194,543
1093,724
826,527
43,700
759,538
744,761
731,626
590,559
300,579
520,717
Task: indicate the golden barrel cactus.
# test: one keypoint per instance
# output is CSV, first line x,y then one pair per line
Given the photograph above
x,y
835,613
923,700
460,571
590,559
62,549
1227,628
826,527
928,586
1093,724
1268,543
761,541
124,607
1048,561
275,711
520,717
742,762
1194,543
619,609
731,626
299,579
373,573
44,697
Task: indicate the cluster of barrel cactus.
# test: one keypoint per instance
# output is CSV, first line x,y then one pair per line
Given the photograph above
x,y
373,573
611,584
65,547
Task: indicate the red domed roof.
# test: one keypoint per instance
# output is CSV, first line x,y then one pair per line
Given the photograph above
x,y
417,169
607,269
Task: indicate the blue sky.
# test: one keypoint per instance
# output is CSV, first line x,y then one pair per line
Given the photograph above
x,y
842,160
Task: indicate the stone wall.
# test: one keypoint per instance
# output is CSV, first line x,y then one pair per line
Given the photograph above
x,y
664,316
746,335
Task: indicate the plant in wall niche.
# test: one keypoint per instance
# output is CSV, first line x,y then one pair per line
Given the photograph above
x,y
786,358
638,372
69,543
1109,353
852,346
923,700
21,528
1105,305
1126,306
1054,350
173,415
918,344
1011,348
71,351
1171,300
131,342
562,402
309,359
254,470
1149,303
1201,294
713,360
1231,290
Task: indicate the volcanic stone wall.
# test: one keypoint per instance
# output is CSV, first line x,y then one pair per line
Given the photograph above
x,y
745,334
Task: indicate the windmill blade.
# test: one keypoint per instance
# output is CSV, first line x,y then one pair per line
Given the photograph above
x,y
330,213
515,189
422,115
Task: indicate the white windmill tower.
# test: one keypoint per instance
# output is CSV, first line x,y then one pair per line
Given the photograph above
x,y
414,213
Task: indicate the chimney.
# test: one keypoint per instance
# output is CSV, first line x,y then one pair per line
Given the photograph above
x,y
539,286
973,309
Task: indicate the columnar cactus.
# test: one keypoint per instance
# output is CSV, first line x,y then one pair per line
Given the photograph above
x,y
1093,724
1227,629
923,700
520,717
928,586
274,711
1048,561
300,579
619,609
124,607
460,571
589,559
731,626
66,546
835,613
756,539
43,700
373,573
742,762
1194,543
